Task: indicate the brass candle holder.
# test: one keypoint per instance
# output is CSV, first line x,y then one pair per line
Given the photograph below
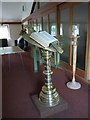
x,y
48,95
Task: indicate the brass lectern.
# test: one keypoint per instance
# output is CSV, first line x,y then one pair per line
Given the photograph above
x,y
48,95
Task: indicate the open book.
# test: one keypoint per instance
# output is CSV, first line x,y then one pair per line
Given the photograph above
x,y
43,38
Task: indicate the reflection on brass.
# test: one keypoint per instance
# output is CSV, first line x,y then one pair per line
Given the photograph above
x,y
48,95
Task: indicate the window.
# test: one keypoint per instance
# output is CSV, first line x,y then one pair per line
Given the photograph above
x,y
4,32
80,20
34,25
39,26
45,23
53,30
65,33
61,29
52,23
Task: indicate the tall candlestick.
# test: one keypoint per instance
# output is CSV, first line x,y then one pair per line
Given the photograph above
x,y
73,84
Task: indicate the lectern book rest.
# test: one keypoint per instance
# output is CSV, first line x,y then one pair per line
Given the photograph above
x,y
46,40
43,38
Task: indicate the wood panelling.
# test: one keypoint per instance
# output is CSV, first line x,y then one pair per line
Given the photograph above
x,y
48,23
57,22
58,7
87,45
42,23
66,5
61,8
78,78
68,65
79,72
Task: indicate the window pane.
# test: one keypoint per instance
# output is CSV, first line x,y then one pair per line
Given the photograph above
x,y
80,17
64,33
45,23
39,24
34,25
53,24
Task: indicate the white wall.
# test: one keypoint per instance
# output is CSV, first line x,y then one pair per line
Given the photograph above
x,y
11,11
0,11
0,87
27,9
0,69
14,32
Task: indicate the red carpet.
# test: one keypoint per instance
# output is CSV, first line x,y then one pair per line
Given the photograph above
x,y
20,82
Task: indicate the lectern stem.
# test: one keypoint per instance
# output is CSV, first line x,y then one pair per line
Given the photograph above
x,y
48,95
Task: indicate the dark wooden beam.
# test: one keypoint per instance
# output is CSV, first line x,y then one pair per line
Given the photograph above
x,y
33,7
10,23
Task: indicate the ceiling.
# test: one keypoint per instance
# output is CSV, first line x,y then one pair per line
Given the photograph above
x,y
15,11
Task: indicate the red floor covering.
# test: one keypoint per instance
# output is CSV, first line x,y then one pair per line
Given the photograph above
x,y
19,83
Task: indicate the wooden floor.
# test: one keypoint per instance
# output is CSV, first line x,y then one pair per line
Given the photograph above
x,y
19,83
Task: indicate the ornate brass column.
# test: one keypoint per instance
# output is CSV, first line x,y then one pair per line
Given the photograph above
x,y
48,95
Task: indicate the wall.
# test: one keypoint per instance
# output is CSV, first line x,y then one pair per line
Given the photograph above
x,y
0,87
14,32
11,11
0,12
26,8
0,70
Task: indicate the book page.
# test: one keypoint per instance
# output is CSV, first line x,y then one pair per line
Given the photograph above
x,y
43,38
49,37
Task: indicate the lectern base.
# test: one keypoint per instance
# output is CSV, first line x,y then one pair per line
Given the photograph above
x,y
74,85
46,112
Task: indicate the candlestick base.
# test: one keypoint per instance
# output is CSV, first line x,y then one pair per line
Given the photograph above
x,y
74,85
